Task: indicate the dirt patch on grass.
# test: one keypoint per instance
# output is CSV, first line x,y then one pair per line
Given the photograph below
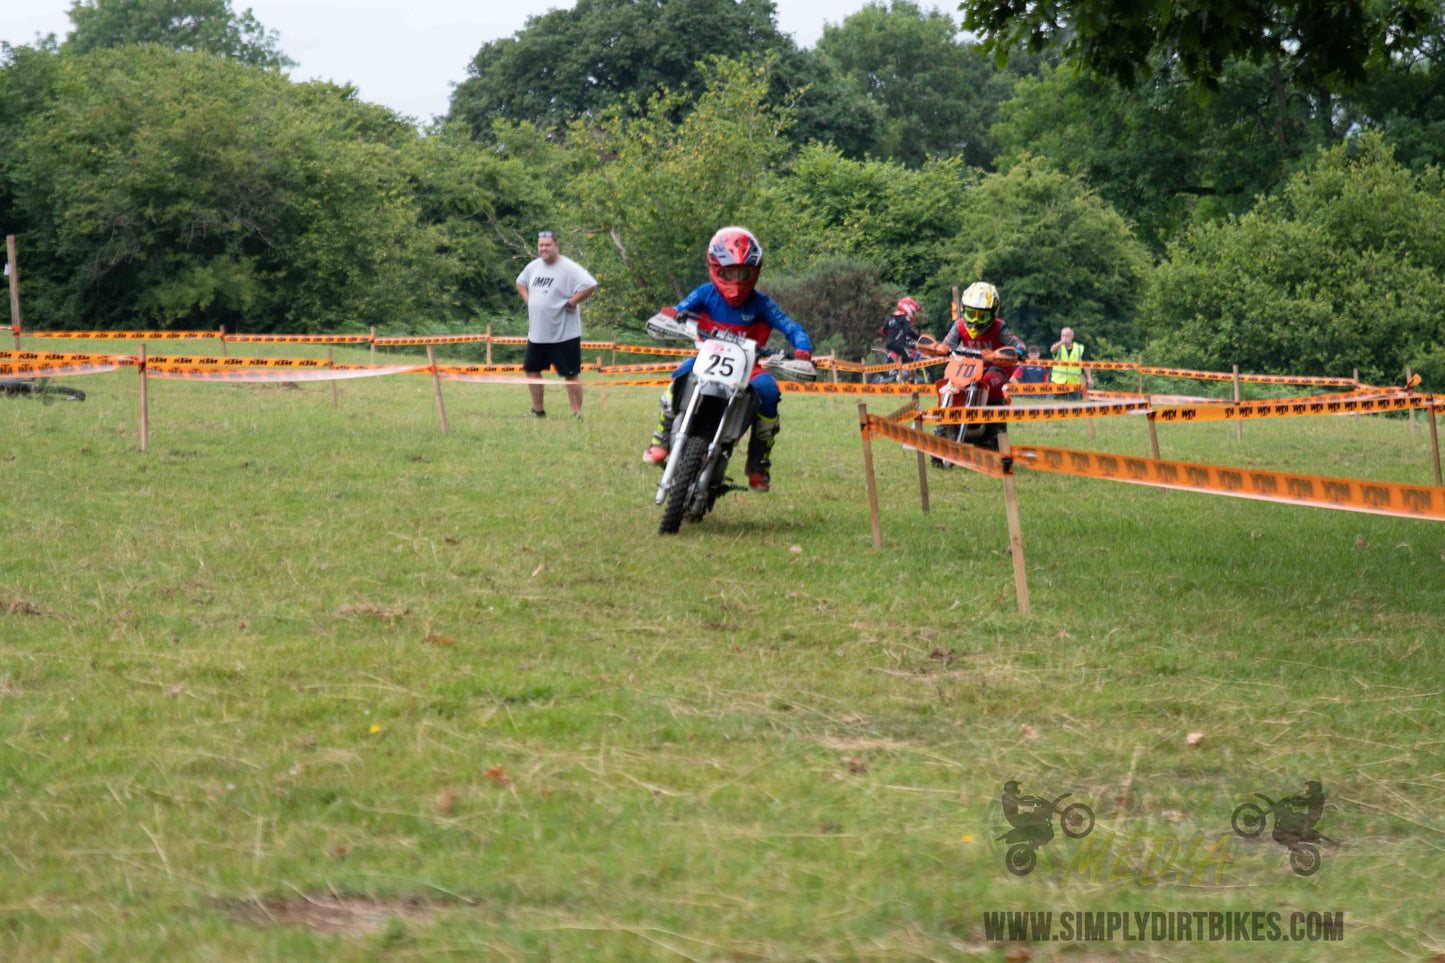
x,y
341,915
15,605
366,610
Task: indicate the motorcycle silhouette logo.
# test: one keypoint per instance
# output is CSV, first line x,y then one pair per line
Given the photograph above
x,y
1032,820
1294,825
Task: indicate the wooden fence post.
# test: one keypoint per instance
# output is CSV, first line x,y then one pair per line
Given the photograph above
x,y
489,344
14,264
145,411
1435,448
1412,410
436,381
1238,423
1139,363
221,333
1153,431
1355,374
1015,529
922,461
868,475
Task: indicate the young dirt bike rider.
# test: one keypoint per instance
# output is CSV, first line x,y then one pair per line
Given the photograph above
x,y
981,333
898,333
734,260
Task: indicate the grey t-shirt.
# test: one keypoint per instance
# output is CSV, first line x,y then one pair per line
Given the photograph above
x,y
548,288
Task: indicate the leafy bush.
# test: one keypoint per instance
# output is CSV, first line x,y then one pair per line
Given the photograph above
x,y
840,302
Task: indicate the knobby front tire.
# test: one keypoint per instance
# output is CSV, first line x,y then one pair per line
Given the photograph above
x,y
689,466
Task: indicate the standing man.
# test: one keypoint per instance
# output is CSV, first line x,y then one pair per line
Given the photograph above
x,y
552,287
1067,350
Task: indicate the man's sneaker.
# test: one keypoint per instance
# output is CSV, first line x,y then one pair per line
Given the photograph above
x,y
534,413
759,482
655,455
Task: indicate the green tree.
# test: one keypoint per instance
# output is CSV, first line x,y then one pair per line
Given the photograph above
x,y
876,211
208,26
939,95
840,301
1058,254
1156,151
1315,42
183,190
652,190
1342,269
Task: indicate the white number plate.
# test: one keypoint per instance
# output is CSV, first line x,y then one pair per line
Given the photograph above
x,y
722,362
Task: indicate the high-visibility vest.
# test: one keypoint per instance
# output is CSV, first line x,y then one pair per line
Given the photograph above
x,y
1066,374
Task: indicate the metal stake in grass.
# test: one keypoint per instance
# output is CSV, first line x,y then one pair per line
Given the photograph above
x,y
436,381
868,475
922,461
331,363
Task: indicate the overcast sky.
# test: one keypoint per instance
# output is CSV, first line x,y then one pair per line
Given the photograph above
x,y
405,55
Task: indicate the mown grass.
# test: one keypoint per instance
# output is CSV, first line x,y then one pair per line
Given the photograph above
x,y
758,740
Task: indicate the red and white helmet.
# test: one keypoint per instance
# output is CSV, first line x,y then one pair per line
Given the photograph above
x,y
734,247
907,307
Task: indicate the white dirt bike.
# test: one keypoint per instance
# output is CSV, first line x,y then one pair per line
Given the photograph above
x,y
715,405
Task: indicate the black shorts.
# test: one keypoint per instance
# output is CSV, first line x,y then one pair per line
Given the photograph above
x,y
564,357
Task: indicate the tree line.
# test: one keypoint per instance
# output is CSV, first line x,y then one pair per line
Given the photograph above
x,y
1261,195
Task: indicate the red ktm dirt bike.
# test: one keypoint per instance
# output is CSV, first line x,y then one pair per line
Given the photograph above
x,y
962,386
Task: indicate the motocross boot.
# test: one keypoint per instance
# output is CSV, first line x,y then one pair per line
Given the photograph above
x,y
656,453
760,448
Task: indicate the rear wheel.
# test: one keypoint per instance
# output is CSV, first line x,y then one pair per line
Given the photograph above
x,y
50,393
689,465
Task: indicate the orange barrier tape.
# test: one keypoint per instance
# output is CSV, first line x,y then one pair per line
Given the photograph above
x,y
124,335
638,368
66,357
452,374
297,338
1258,379
1288,407
855,367
592,345
32,369
894,366
178,372
1003,413
429,339
908,412
507,340
1040,388
1157,399
955,453
828,388
655,349
478,369
188,361
1095,365
1379,498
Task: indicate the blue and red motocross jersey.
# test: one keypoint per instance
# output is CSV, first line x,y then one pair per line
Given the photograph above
x,y
758,316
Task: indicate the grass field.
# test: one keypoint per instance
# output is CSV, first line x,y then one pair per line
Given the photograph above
x,y
305,682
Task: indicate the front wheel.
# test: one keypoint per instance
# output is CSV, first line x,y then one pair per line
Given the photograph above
x,y
1020,859
1304,859
689,466
1077,820
1248,820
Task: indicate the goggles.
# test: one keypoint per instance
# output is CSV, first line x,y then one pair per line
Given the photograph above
x,y
977,317
735,272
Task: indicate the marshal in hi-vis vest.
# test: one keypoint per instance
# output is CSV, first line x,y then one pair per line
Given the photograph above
x,y
1066,374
